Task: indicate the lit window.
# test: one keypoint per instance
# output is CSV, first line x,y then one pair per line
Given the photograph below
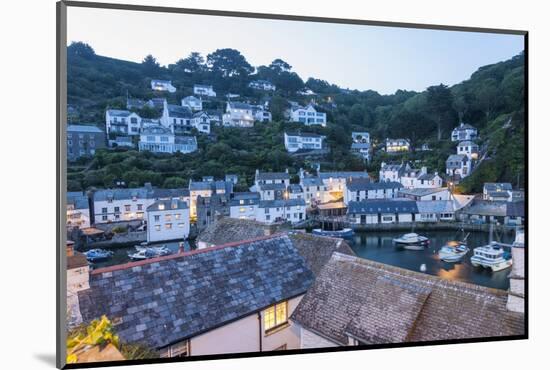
x,y
168,217
168,226
157,227
181,225
275,315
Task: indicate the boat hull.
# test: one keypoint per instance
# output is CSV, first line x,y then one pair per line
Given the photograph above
x,y
412,247
345,233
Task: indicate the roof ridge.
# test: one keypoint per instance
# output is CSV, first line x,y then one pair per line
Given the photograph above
x,y
184,254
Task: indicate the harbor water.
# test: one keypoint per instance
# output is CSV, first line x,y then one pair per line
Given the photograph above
x,y
378,246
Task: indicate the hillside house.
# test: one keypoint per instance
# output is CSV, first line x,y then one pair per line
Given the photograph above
x,y
162,85
468,148
262,85
204,90
161,140
262,178
381,211
464,132
210,209
497,191
271,191
111,205
362,188
458,166
393,172
355,301
315,190
232,178
435,210
295,141
307,115
420,178
193,103
122,122
206,189
180,120
336,182
202,122
133,103
122,142
167,220
397,145
294,191
83,141
261,114
238,115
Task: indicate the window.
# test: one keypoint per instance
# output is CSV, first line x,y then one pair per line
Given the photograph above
x,y
140,207
157,218
168,217
117,209
157,227
104,210
177,216
168,226
127,208
275,316
180,349
181,224
104,217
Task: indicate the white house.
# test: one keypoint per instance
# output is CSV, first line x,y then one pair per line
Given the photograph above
x,y
420,194
78,209
181,119
392,172
244,205
191,102
261,114
167,220
464,132
336,182
204,90
307,115
202,122
161,140
294,191
262,85
397,145
162,85
289,210
379,211
362,188
122,122
420,178
435,210
205,189
238,115
314,189
497,191
468,148
458,166
112,205
295,141
263,178
271,191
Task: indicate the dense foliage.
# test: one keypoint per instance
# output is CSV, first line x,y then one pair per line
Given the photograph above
x,y
492,100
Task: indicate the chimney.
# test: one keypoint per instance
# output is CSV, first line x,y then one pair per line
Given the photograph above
x,y
70,248
516,293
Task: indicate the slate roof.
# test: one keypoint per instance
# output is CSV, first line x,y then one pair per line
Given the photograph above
x,y
456,160
248,198
158,193
239,105
156,130
169,299
343,174
187,140
120,194
178,111
230,230
84,128
77,260
304,134
435,206
375,206
272,186
295,189
377,303
77,199
364,184
497,186
394,167
427,176
486,208
282,203
360,145
317,250
468,143
420,192
118,112
312,181
273,176
167,204
464,126
212,185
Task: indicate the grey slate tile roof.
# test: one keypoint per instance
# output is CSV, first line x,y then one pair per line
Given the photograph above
x,y
304,134
178,111
377,303
273,186
119,112
312,181
248,198
156,130
364,184
343,174
170,299
435,206
231,230
120,194
515,209
295,189
375,206
84,128
456,160
486,208
167,204
497,186
187,140
273,176
239,105
282,203
77,199
420,192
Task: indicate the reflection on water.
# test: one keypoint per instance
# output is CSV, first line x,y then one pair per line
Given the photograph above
x,y
378,246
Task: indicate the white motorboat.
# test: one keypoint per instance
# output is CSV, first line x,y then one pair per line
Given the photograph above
x,y
453,251
142,254
492,256
412,241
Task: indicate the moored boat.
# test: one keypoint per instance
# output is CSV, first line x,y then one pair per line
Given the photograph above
x,y
150,252
344,233
97,255
492,256
412,241
453,251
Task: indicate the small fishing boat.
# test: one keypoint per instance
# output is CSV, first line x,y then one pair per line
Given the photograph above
x,y
98,255
142,254
492,256
343,233
150,252
453,251
412,241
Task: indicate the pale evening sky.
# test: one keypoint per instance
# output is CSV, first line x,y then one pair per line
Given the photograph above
x,y
352,56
